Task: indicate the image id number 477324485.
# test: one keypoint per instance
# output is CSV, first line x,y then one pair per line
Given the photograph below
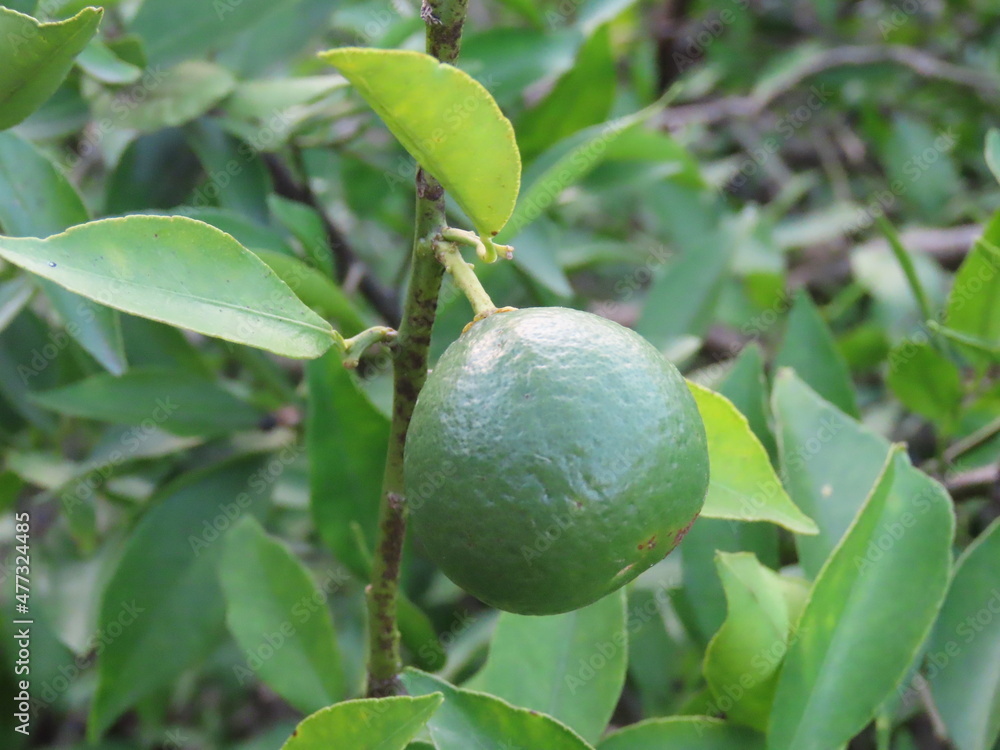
x,y
22,623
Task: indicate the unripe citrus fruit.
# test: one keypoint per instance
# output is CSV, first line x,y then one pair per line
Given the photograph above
x,y
552,457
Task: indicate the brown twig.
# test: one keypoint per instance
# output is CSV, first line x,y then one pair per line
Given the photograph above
x,y
922,63
947,246
973,483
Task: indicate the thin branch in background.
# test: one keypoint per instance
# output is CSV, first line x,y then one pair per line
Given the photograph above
x,y
749,138
947,246
918,61
973,483
382,298
932,713
969,442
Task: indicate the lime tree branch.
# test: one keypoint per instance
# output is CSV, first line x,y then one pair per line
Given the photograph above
x,y
444,20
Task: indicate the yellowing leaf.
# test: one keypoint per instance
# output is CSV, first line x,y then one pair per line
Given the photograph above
x,y
742,485
447,121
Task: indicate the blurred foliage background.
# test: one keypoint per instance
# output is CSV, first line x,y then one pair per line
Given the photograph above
x,y
726,176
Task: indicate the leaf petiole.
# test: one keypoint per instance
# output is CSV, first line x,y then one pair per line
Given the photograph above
x,y
485,249
355,347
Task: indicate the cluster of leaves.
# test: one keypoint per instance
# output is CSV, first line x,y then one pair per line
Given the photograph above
x,y
743,225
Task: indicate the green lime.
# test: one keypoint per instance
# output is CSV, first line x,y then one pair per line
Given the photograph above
x,y
553,456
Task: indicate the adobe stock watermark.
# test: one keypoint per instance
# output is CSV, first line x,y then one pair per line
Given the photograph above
x,y
902,13
786,127
257,485
460,624
51,689
709,30
271,133
452,119
605,650
628,286
84,487
889,533
913,169
125,99
58,339
272,641
763,664
829,428
965,632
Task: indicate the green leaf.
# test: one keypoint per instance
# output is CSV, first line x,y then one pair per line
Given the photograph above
x,y
656,656
871,607
907,266
14,295
536,256
682,301
369,724
926,381
974,343
664,155
571,666
179,402
743,659
23,369
98,61
745,385
829,462
35,58
993,152
463,140
178,29
306,225
273,603
510,59
683,733
345,492
178,271
164,98
809,349
164,596
469,719
237,176
964,652
974,303
920,167
245,230
893,305
580,98
261,99
527,9
742,484
595,13
156,170
36,200
565,164
706,598
315,289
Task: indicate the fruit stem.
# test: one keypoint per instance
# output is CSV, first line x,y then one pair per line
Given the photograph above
x,y
444,20
465,278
